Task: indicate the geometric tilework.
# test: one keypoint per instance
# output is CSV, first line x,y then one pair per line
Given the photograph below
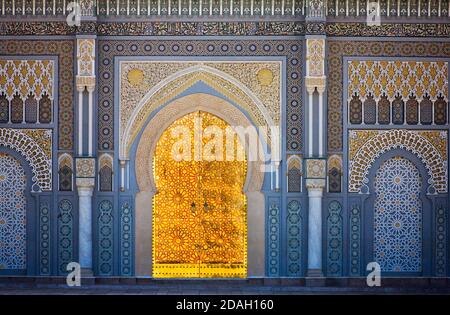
x,y
44,238
334,173
105,238
426,111
366,145
384,109
12,213
16,109
45,110
64,50
441,240
355,110
65,178
412,111
398,112
398,216
126,240
274,240
370,108
440,111
65,172
334,239
31,110
294,175
294,180
291,49
4,109
105,178
355,240
294,239
65,235
105,172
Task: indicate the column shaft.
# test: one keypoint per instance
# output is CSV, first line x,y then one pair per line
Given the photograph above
x,y
321,124
310,123
315,231
85,223
90,121
80,122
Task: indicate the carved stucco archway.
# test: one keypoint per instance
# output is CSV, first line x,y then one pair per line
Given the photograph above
x,y
35,146
146,145
398,138
131,123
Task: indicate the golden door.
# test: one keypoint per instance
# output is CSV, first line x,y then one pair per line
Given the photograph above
x,y
200,210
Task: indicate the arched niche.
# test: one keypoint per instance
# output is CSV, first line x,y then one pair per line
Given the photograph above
x,y
142,170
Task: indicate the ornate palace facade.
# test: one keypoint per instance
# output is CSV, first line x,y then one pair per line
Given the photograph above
x,y
355,172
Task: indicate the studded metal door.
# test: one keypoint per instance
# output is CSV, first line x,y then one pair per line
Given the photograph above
x,y
199,211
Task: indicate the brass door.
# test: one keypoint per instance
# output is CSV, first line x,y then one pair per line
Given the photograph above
x,y
199,211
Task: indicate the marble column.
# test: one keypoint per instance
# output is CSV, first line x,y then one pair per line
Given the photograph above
x,y
90,120
80,89
85,163
85,181
315,183
310,90
315,193
321,90
85,187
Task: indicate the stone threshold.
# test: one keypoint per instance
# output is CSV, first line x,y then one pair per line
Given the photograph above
x,y
343,282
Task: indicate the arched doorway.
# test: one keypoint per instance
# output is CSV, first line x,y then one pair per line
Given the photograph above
x,y
200,210
398,221
13,210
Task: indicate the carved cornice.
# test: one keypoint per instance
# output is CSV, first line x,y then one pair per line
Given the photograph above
x,y
289,28
389,30
46,28
201,28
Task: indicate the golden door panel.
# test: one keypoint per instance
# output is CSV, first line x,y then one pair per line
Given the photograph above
x,y
200,210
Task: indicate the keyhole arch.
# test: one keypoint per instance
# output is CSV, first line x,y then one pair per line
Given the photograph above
x,y
200,210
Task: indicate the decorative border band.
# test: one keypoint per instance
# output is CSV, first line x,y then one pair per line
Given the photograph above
x,y
222,28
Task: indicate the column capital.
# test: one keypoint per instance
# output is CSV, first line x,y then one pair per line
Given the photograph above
x,y
322,86
80,87
315,186
83,82
85,186
312,83
310,89
90,88
123,162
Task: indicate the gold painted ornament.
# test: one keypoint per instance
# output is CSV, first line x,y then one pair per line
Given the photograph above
x,y
200,210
